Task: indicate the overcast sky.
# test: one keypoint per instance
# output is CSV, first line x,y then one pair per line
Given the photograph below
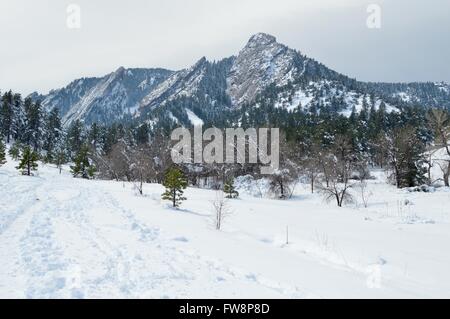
x,y
39,52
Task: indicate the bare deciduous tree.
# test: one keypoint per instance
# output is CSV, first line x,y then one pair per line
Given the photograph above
x,y
312,165
405,154
439,121
364,192
221,209
284,180
340,164
116,163
142,170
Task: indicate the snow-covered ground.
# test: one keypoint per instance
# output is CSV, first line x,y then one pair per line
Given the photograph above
x,y
62,237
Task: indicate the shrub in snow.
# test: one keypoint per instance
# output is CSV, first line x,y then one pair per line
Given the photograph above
x,y
221,209
422,188
365,193
229,190
254,187
281,183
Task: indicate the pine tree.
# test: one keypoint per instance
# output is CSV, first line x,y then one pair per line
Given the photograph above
x,y
6,115
18,125
229,190
2,153
406,157
142,134
28,162
34,124
52,134
174,182
14,151
94,135
83,167
75,138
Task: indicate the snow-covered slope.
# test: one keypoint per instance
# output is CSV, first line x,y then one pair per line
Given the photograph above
x,y
105,99
182,83
62,237
329,94
68,96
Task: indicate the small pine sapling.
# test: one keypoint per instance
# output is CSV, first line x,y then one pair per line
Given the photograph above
x,y
229,190
28,161
175,182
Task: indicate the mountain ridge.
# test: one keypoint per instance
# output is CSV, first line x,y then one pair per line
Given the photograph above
x,y
228,84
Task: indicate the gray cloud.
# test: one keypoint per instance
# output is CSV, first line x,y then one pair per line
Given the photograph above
x,y
39,52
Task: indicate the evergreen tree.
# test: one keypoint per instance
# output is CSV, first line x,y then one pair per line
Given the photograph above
x,y
6,115
94,135
229,190
2,153
34,124
110,138
14,151
52,135
18,126
406,157
83,167
174,182
75,138
142,134
28,162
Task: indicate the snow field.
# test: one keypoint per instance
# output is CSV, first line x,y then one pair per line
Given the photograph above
x,y
62,237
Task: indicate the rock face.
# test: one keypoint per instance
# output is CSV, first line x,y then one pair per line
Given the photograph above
x,y
207,89
262,62
182,83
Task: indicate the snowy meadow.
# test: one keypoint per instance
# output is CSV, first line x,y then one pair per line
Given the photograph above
x,y
62,237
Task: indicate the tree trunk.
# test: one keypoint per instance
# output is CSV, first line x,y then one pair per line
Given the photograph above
x,y
174,194
397,177
447,175
338,200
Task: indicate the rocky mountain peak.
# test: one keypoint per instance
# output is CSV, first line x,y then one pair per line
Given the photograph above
x,y
200,62
261,62
261,39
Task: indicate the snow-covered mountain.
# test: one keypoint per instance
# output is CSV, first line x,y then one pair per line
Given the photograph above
x,y
262,62
263,69
182,83
111,98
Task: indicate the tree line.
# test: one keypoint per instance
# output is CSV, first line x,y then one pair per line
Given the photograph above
x,y
330,151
